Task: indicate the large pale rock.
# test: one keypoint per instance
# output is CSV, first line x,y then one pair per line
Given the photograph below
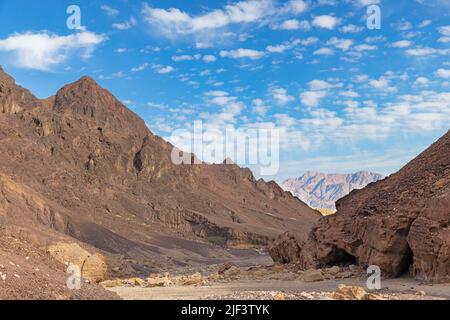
x,y
344,292
312,275
93,266
190,280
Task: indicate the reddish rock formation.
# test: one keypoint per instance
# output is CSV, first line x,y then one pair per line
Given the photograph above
x,y
400,223
286,248
429,239
81,167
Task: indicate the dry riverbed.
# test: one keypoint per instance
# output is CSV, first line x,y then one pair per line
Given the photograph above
x,y
229,282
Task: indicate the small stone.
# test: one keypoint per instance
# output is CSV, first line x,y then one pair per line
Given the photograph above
x,y
280,296
421,293
353,268
278,268
111,283
344,292
333,270
232,272
225,267
195,279
313,275
374,296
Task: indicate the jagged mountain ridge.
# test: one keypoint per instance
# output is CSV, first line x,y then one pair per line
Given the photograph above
x,y
322,190
80,166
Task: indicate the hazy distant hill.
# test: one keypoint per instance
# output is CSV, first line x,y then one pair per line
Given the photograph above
x,y
321,190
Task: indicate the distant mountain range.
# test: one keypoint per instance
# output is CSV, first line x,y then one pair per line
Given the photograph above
x,y
321,190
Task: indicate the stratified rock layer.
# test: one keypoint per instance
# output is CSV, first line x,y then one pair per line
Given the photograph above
x,y
400,224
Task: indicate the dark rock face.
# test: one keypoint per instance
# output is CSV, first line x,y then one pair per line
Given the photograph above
x,y
429,239
400,224
286,248
82,167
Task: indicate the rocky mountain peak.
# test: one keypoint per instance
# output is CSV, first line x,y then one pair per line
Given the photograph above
x,y
14,98
85,98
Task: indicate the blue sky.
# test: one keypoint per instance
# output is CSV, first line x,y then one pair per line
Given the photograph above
x,y
344,97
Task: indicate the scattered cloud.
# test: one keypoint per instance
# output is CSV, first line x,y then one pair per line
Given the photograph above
x,y
402,44
126,24
44,50
351,28
209,25
312,98
242,53
186,57
294,24
326,22
281,96
443,73
112,12
421,81
365,47
324,52
209,58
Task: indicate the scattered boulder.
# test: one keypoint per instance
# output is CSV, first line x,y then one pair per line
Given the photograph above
x,y
232,272
279,296
190,280
312,275
225,267
374,296
344,292
112,283
159,281
421,293
333,270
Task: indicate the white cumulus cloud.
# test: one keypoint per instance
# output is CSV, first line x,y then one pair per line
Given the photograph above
x,y
326,22
44,50
242,53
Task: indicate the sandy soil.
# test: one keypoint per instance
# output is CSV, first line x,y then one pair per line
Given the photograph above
x,y
403,288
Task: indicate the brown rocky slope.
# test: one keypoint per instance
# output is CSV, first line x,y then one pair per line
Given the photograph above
x,y
80,167
401,224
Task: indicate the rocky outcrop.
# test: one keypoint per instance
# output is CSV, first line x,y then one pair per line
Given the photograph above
x,y
429,240
286,248
400,224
